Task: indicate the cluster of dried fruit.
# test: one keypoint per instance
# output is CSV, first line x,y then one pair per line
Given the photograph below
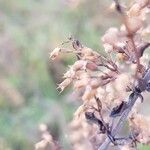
x,y
104,80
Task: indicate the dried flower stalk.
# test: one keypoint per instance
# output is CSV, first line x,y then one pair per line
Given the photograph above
x,y
104,80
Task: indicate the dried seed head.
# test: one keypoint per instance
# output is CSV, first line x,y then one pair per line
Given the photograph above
x,y
94,75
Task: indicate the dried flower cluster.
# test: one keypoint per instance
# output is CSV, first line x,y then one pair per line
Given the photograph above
x,y
47,141
104,80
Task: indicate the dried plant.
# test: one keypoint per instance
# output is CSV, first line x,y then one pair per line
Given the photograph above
x,y
47,141
111,83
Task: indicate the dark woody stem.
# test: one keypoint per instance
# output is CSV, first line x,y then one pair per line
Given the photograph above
x,y
131,99
119,124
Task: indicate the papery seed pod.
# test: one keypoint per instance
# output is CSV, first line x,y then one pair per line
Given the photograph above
x,y
133,67
88,51
121,56
123,28
111,36
143,3
77,45
64,84
108,48
80,64
76,137
101,90
89,54
40,145
75,123
95,83
144,14
122,82
88,94
79,111
134,24
134,10
81,83
55,53
121,45
70,73
46,136
100,93
91,66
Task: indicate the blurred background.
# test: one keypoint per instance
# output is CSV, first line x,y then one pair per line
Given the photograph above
x,y
29,31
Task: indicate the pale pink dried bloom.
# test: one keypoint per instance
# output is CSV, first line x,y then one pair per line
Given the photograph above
x,y
134,23
55,53
143,3
43,127
134,10
108,47
70,73
122,82
78,65
81,109
141,125
40,145
64,84
111,36
88,94
125,147
81,83
89,54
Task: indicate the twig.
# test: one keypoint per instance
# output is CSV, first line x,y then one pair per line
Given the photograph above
x,y
118,125
131,99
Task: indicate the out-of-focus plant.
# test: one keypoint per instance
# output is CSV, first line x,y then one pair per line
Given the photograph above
x,y
105,80
47,139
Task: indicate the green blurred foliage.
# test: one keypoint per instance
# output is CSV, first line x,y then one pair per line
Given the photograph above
x,y
29,30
